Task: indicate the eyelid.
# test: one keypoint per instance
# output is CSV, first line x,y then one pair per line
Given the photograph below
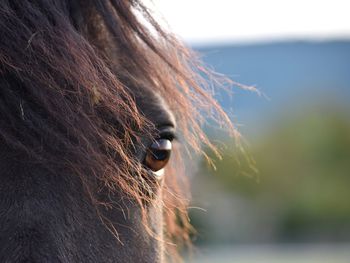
x,y
167,133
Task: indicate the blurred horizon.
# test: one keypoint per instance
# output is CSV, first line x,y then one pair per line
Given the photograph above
x,y
308,73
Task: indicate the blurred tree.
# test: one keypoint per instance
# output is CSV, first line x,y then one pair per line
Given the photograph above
x,y
302,192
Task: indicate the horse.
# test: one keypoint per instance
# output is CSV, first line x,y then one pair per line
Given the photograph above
x,y
95,96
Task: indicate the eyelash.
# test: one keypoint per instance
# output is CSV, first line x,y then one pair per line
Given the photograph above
x,y
168,134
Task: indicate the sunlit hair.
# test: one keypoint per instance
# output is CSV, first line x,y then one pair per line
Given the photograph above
x,y
67,69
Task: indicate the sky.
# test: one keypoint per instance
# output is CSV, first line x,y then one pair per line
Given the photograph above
x,y
203,21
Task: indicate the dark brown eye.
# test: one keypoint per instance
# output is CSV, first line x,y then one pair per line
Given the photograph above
x,y
158,155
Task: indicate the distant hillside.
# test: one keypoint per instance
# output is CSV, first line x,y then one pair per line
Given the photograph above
x,y
291,74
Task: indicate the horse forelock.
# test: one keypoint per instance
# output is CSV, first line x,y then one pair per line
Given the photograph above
x,y
68,69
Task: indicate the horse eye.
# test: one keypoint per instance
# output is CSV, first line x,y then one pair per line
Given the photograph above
x,y
158,155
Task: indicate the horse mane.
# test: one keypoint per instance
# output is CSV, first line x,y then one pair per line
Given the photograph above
x,y
66,72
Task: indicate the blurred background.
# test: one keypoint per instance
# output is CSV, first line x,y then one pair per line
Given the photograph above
x,y
296,207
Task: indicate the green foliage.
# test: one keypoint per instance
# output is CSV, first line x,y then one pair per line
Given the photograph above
x,y
304,176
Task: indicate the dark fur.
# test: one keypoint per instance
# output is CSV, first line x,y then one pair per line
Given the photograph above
x,y
84,90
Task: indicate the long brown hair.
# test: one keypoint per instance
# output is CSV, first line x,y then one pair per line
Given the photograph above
x,y
67,70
